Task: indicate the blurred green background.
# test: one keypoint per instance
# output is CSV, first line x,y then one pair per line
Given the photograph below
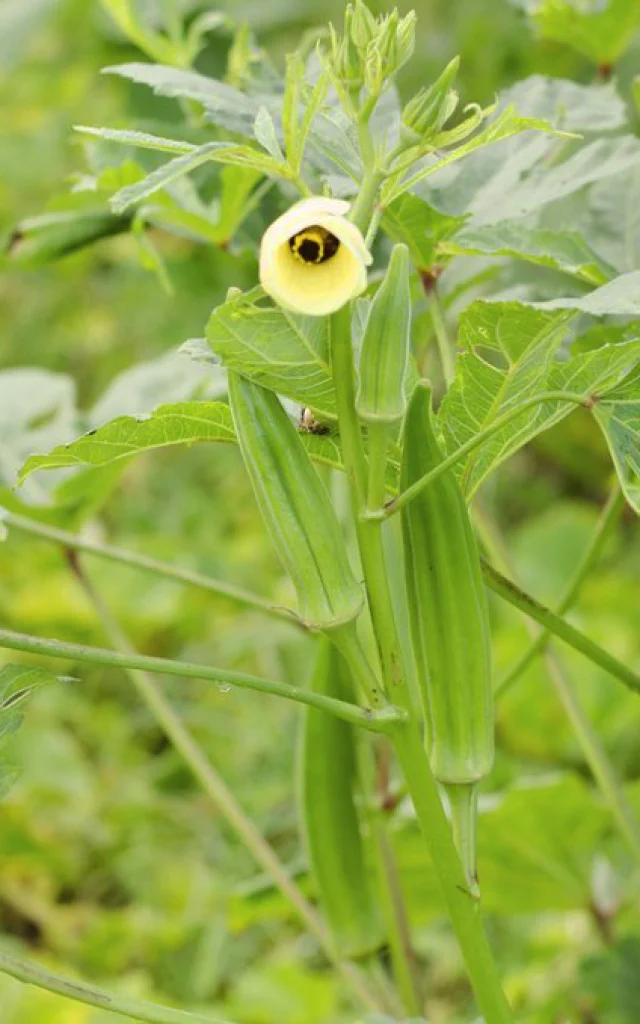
x,y
112,864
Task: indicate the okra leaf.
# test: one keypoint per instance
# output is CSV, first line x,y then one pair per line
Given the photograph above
x,y
601,32
612,222
522,359
17,683
282,351
125,436
224,105
141,140
618,416
620,297
563,250
219,152
411,220
39,240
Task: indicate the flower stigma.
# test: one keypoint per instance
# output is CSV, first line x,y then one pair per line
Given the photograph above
x,y
314,244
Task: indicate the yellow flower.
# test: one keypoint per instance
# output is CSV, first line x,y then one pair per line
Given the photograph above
x,y
313,260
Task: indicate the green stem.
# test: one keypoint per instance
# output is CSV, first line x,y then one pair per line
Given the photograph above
x,y
135,561
137,1009
590,557
511,593
464,909
445,348
475,442
594,753
217,790
375,721
378,441
463,801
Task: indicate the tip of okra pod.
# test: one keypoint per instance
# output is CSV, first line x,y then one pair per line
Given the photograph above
x,y
463,805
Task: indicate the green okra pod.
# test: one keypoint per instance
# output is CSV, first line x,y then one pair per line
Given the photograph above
x,y
385,346
449,625
331,823
295,507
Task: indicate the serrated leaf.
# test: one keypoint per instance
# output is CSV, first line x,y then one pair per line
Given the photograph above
x,y
613,219
265,132
618,416
141,140
504,126
220,152
563,250
224,105
620,297
531,363
126,436
599,31
281,351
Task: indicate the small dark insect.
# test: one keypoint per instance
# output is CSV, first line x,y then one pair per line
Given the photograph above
x,y
309,424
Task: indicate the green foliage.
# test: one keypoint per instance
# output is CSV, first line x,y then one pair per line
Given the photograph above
x,y
600,31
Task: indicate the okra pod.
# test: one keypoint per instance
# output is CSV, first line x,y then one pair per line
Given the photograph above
x,y
328,784
449,625
295,507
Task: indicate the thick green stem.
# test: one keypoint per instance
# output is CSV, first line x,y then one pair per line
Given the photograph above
x,y
113,1002
408,744
528,605
474,442
463,801
589,558
464,909
219,793
380,721
74,542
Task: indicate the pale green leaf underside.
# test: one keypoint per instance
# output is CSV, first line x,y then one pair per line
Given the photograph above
x,y
563,250
284,352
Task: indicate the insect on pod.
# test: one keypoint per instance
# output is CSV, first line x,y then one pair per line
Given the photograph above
x,y
330,820
295,507
449,626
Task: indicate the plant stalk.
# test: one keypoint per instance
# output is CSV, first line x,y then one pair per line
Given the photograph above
x,y
374,721
590,556
137,1009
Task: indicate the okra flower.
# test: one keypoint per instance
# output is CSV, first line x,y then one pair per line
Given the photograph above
x,y
312,259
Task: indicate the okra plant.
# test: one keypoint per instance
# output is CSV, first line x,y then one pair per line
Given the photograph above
x,y
369,433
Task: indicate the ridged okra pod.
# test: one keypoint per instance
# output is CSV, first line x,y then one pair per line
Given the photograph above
x,y
449,625
295,507
328,785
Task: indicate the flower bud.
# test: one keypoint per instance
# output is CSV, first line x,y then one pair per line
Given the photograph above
x,y
363,25
312,259
385,347
430,109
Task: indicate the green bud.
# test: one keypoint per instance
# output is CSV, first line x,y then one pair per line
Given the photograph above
x,y
386,42
405,39
374,71
430,109
386,343
363,25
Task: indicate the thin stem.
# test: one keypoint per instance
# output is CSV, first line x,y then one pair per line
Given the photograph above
x,y
475,442
151,565
445,348
594,753
527,604
590,557
374,721
137,1009
378,438
217,790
